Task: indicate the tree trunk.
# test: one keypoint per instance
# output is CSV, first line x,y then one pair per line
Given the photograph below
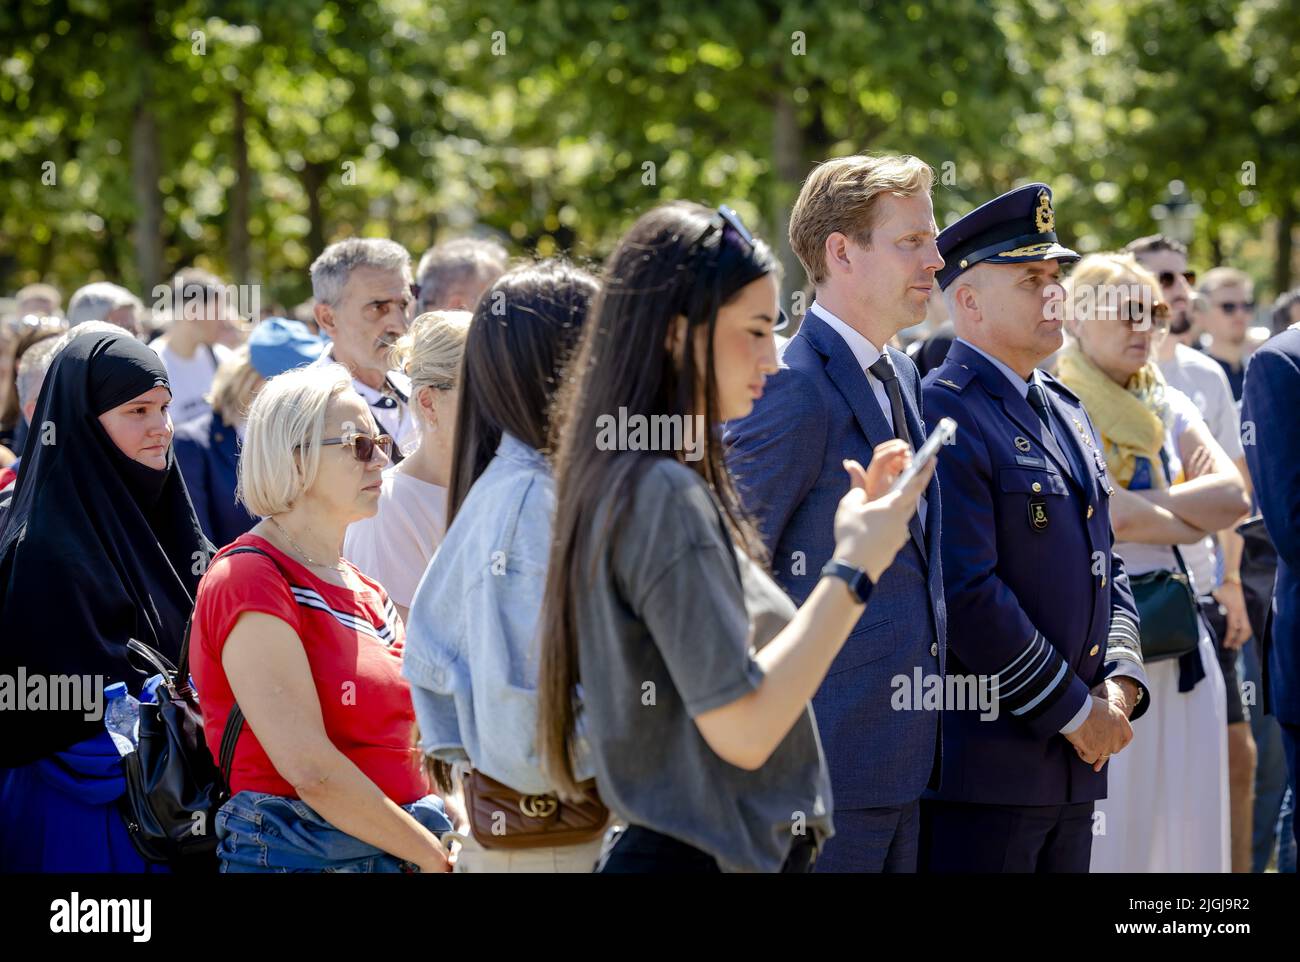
x,y
148,201
239,194
313,178
788,155
1285,246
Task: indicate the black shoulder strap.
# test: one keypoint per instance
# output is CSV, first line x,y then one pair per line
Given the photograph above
x,y
235,720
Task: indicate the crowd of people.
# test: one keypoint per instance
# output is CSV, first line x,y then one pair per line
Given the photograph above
x,y
517,566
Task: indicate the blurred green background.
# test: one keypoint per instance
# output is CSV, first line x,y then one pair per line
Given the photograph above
x,y
138,138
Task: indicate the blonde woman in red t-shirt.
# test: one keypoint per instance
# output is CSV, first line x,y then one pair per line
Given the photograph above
x,y
325,776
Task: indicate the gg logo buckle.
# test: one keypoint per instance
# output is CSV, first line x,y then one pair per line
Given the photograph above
x,y
538,806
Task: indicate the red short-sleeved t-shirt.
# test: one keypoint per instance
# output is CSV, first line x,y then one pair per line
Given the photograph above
x,y
353,639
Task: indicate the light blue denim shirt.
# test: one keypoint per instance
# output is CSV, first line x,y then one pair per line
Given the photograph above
x,y
472,649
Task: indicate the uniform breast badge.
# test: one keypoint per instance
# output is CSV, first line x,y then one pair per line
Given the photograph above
x,y
1038,513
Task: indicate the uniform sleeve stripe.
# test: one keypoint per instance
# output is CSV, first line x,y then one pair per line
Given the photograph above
x,y
1033,680
1054,692
1032,646
1045,692
1030,673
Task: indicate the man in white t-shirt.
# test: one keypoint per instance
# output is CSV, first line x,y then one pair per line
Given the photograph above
x,y
1204,382
190,350
362,288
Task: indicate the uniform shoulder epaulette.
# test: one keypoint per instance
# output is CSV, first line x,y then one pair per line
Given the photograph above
x,y
954,377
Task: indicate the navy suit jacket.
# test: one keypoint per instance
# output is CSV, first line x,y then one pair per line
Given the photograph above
x,y
817,410
207,452
1036,595
1270,402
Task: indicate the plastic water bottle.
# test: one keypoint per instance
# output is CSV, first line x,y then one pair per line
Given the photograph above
x,y
121,716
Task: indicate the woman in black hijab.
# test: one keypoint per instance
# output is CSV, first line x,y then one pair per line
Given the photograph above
x,y
100,546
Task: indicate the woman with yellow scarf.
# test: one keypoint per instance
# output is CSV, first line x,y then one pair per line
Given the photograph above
x,y
1167,803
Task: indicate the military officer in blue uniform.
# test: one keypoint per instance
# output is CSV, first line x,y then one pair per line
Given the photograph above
x,y
1039,606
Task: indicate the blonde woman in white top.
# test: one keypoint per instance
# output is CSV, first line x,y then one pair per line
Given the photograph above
x,y
394,546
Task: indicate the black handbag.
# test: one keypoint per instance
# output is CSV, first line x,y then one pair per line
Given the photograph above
x,y
1167,610
173,787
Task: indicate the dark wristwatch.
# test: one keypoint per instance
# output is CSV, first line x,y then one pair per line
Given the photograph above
x,y
855,578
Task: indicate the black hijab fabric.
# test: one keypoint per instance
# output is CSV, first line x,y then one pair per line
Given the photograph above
x,y
96,549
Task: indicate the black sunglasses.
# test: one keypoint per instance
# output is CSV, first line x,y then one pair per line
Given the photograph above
x,y
1231,307
723,218
363,445
1167,278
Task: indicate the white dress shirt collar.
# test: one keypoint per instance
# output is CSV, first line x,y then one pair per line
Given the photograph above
x,y
1018,382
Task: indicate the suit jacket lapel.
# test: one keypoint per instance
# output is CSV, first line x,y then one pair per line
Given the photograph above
x,y
1066,421
848,378
851,381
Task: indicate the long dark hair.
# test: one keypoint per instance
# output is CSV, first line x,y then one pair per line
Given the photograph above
x,y
673,262
524,330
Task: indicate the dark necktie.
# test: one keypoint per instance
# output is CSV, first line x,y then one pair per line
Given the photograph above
x,y
1037,398
883,371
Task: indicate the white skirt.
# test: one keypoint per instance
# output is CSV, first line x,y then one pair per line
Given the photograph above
x,y
1166,808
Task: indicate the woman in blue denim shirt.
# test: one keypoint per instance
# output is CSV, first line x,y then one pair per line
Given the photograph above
x,y
471,650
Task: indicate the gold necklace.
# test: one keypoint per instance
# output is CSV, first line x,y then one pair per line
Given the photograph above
x,y
298,548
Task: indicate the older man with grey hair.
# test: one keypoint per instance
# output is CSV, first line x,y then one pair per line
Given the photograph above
x,y
362,287
454,275
103,301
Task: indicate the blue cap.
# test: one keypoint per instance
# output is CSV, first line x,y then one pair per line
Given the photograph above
x,y
279,344
1016,227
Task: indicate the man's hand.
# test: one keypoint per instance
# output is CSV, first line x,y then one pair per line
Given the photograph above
x,y
1122,692
1103,733
1233,599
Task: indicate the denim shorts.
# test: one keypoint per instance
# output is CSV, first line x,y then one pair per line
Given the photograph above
x,y
257,832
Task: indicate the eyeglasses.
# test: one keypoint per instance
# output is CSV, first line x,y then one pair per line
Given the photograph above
x,y
1135,316
1231,307
724,217
363,445
1167,278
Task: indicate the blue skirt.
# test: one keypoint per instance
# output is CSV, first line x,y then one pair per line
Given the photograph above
x,y
59,814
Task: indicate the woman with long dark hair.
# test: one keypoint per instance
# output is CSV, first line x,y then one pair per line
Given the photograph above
x,y
472,649
691,669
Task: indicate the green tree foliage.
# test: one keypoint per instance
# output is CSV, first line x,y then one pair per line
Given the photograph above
x,y
280,127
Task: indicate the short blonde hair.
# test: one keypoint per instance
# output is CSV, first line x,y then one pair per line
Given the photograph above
x,y
844,195
1103,271
431,350
234,385
281,453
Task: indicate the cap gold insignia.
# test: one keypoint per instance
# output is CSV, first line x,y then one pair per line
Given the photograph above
x,y
1029,251
1044,218
1022,444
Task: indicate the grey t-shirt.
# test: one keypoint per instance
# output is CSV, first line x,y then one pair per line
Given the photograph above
x,y
666,632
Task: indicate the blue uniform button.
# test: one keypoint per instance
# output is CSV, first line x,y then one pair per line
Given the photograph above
x,y
934,648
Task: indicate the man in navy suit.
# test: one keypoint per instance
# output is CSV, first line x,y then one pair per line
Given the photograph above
x,y
1037,599
1271,438
864,229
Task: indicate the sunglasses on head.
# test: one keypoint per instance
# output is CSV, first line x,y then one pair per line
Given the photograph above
x,y
1231,307
1167,278
363,445
725,218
